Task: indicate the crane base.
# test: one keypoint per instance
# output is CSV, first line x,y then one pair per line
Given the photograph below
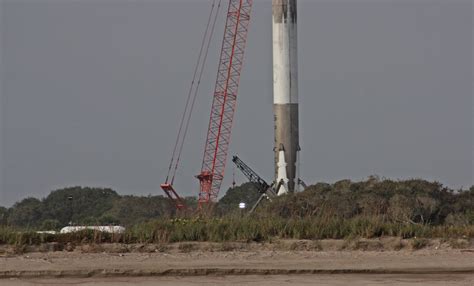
x,y
171,193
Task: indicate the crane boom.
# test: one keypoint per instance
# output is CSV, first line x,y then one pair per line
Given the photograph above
x,y
262,186
252,176
224,100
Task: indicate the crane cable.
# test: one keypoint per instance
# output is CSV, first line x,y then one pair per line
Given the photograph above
x,y
197,87
191,98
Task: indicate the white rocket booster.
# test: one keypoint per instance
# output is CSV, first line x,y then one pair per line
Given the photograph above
x,y
282,177
285,91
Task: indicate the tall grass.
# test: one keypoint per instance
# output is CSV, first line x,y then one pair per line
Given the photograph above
x,y
236,228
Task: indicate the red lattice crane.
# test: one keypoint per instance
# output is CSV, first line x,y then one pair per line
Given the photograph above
x,y
223,105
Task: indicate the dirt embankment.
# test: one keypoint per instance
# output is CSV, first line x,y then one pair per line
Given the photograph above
x,y
379,244
263,280
286,257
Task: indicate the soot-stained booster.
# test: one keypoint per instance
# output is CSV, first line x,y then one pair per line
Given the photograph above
x,y
285,94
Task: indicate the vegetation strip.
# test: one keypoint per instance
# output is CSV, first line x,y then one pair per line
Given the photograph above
x,y
373,208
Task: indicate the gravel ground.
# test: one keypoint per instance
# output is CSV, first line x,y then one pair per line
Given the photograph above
x,y
257,280
254,265
77,264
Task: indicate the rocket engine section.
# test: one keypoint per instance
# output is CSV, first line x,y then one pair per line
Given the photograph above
x,y
285,94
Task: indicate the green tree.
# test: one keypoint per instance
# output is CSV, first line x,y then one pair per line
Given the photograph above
x,y
50,224
246,193
410,201
26,213
3,215
129,210
78,203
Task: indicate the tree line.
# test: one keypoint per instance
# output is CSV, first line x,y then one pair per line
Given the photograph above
x,y
85,205
410,201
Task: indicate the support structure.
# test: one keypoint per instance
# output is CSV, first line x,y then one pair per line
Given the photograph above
x,y
224,100
262,186
285,94
265,190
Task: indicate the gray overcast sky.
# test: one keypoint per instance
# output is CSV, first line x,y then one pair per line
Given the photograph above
x,y
91,92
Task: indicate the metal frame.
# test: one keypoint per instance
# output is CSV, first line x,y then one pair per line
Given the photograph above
x,y
224,102
172,195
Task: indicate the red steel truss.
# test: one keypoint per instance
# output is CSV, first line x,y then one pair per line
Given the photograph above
x,y
225,96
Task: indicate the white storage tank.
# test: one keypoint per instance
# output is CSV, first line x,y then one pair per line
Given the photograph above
x,y
101,228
